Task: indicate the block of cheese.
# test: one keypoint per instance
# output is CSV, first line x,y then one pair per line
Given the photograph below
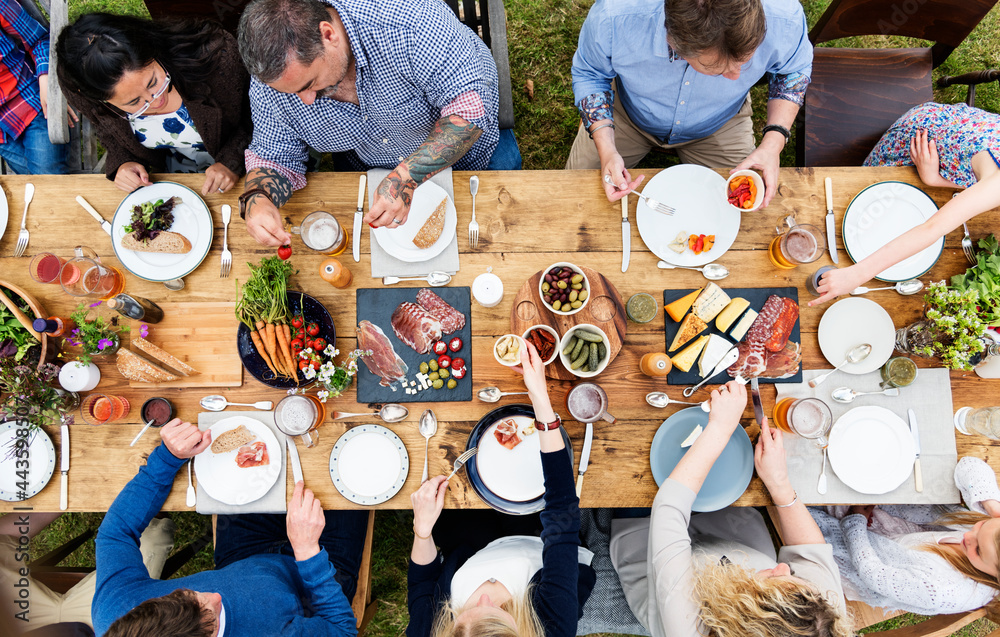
x,y
741,328
692,437
710,302
678,308
732,312
714,351
691,327
685,360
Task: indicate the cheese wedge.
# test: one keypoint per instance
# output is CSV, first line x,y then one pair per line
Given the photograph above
x,y
714,351
685,360
710,302
732,312
741,328
678,308
691,327
692,437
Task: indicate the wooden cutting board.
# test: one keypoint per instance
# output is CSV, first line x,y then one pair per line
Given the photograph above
x,y
203,335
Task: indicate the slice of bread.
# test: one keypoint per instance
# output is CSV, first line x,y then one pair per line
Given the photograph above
x,y
166,242
431,231
162,357
134,367
233,439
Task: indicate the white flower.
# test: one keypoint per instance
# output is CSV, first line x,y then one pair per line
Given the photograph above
x,y
330,351
322,395
310,373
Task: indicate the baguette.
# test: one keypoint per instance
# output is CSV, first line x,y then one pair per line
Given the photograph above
x,y
165,242
160,356
134,367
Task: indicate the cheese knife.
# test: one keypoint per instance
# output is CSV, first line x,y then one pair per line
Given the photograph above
x,y
758,406
831,231
626,235
918,477
64,467
588,441
358,215
293,455
105,225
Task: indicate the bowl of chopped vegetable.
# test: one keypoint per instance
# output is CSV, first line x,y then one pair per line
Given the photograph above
x,y
585,350
15,339
745,190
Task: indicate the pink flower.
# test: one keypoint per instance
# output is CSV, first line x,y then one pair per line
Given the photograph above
x,y
144,330
104,343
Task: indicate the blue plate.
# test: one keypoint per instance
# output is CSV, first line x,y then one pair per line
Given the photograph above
x,y
731,473
472,469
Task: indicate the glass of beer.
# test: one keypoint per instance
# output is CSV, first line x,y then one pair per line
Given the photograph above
x,y
588,402
322,232
795,245
85,275
300,415
806,417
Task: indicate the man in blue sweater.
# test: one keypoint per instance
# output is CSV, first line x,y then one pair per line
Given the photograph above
x,y
274,576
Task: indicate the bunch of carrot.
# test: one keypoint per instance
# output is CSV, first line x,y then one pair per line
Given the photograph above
x,y
262,306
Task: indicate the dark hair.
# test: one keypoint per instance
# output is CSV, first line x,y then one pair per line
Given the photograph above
x,y
96,50
732,28
270,29
178,614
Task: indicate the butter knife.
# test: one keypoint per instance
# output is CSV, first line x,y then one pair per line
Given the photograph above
x,y
626,235
758,406
293,455
64,467
831,231
358,215
918,477
93,213
588,442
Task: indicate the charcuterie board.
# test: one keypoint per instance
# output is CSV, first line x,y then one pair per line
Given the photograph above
x,y
377,305
757,297
605,310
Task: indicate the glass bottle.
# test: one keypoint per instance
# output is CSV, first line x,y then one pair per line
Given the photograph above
x,y
136,307
53,326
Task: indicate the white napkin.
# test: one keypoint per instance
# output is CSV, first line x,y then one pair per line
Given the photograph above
x,y
385,265
929,396
274,500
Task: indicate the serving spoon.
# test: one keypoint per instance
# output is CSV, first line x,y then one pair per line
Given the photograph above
x,y
389,413
427,426
660,400
847,395
711,271
493,394
906,288
436,279
218,403
857,354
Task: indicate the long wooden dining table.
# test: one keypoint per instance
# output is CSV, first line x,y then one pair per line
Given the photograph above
x,y
528,220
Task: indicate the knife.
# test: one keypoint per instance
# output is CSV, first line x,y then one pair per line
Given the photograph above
x,y
917,475
726,362
626,235
831,232
588,441
64,467
93,213
758,407
358,214
293,455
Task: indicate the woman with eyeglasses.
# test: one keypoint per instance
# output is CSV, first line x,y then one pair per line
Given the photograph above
x,y
162,95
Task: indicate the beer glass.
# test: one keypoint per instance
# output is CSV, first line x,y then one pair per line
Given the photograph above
x,y
322,232
806,417
588,402
795,245
300,415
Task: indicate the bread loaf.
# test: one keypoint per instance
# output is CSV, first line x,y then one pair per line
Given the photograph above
x,y
165,242
161,356
134,367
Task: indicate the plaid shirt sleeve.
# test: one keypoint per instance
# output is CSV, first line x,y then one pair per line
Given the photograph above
x,y
275,143
33,37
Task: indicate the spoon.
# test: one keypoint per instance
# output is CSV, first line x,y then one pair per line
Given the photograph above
x,y
847,395
389,413
428,426
711,271
856,355
139,435
660,400
493,394
436,278
192,499
821,485
218,403
906,288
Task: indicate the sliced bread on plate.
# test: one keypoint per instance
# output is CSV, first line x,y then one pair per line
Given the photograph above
x,y
165,242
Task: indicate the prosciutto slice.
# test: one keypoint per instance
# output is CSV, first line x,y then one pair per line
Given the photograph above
x,y
383,362
451,319
506,434
252,455
416,327
766,351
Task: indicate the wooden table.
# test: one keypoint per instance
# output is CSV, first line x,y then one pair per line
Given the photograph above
x,y
528,220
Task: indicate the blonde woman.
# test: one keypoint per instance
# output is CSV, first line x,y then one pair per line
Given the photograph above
x,y
717,573
514,585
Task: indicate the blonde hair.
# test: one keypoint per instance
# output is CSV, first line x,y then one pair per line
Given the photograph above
x,y
521,608
733,601
959,561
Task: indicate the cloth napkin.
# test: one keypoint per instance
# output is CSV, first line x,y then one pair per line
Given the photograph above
x,y
929,396
385,265
274,500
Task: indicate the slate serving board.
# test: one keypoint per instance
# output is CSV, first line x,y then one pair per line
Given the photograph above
x,y
757,298
377,305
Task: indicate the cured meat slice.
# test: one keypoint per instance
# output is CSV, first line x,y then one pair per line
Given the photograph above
x,y
785,363
753,355
506,433
384,362
252,455
451,319
415,326
783,325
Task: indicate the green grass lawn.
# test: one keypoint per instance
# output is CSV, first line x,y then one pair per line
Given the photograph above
x,y
543,35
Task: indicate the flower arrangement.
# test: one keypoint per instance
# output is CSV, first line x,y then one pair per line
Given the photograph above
x,y
953,329
94,336
30,395
322,367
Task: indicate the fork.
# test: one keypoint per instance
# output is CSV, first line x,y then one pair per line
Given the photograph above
x,y
461,460
657,206
227,256
970,252
474,225
22,237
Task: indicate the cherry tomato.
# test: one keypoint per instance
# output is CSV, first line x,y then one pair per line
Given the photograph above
x,y
285,252
297,322
458,372
316,364
319,344
440,347
303,364
295,352
299,334
455,344
457,362
297,342
444,360
312,329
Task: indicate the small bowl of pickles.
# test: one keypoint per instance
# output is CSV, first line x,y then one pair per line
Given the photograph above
x,y
564,288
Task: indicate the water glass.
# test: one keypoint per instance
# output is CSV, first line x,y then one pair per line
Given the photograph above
x,y
984,421
45,266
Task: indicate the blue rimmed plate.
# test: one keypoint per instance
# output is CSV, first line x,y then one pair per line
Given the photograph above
x,y
369,464
41,463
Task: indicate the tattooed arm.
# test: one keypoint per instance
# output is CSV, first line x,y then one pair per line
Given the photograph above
x,y
596,111
448,142
262,217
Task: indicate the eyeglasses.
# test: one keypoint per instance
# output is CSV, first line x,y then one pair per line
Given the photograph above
x,y
132,117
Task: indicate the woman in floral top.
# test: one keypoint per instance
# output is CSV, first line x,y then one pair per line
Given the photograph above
x,y
952,146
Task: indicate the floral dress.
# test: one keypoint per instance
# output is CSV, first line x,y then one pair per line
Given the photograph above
x,y
174,132
959,130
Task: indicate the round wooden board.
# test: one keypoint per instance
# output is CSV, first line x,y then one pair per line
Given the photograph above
x,y
605,310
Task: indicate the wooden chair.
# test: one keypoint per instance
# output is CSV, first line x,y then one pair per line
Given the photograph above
x,y
971,80
856,94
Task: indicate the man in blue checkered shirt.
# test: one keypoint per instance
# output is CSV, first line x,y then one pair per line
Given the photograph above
x,y
401,83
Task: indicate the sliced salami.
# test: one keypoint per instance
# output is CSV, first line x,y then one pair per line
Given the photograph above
x,y
451,319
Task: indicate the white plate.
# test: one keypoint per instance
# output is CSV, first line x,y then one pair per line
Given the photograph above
x,y
880,213
853,321
219,476
512,474
398,242
369,464
698,195
3,212
41,459
871,450
191,219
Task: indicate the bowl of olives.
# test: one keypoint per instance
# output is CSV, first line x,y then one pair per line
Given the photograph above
x,y
564,288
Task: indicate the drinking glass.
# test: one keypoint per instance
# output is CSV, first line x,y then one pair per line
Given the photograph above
x,y
85,275
588,402
984,421
796,244
322,232
101,409
806,417
300,415
44,267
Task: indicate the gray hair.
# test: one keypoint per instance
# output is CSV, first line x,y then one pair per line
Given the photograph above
x,y
272,29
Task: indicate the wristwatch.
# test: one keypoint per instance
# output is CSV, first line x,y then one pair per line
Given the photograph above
x,y
549,426
245,197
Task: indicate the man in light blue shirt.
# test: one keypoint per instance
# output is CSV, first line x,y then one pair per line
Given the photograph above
x,y
681,71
